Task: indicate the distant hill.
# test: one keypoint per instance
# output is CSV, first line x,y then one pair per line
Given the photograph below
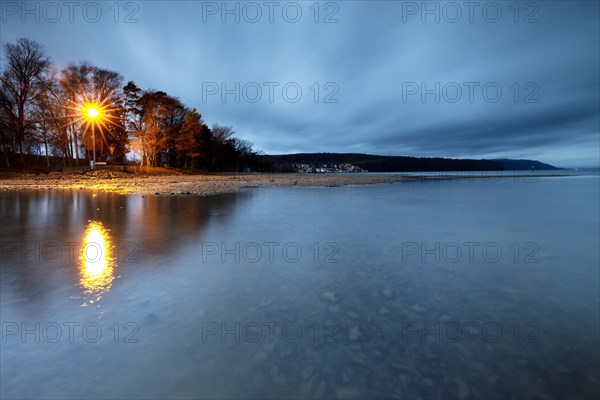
x,y
515,165
375,163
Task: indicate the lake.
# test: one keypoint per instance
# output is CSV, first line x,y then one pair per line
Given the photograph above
x,y
470,288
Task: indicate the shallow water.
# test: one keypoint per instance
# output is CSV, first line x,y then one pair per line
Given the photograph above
x,y
466,288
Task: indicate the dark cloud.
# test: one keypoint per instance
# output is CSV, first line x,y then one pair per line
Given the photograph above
x,y
547,127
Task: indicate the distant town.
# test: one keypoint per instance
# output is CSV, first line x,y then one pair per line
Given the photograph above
x,y
325,168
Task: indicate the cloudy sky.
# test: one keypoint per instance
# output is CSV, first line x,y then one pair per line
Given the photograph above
x,y
451,79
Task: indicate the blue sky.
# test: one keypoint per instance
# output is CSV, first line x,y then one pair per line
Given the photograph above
x,y
485,80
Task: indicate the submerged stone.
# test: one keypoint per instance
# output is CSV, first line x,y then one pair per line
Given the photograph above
x,y
354,334
330,297
383,311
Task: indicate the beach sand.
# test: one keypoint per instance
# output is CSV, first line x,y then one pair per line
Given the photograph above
x,y
174,183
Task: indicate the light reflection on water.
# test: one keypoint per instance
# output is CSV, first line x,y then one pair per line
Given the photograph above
x,y
170,291
97,262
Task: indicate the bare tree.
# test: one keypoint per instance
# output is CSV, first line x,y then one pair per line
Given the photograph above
x,y
222,133
83,83
26,63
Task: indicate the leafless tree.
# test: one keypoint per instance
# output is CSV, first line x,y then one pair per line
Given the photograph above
x,y
20,84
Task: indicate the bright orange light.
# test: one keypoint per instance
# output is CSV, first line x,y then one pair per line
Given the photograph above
x,y
94,115
93,112
97,262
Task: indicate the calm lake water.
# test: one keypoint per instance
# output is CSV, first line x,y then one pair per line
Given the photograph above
x,y
475,288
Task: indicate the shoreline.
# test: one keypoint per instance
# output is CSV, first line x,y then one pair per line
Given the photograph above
x,y
174,183
181,184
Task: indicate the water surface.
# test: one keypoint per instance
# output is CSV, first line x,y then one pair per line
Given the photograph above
x,y
436,289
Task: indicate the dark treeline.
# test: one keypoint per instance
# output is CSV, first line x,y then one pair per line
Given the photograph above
x,y
376,163
42,117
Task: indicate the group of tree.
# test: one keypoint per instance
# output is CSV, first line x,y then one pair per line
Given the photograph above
x,y
42,116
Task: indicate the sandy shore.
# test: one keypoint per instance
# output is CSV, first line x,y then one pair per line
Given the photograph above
x,y
117,181
172,182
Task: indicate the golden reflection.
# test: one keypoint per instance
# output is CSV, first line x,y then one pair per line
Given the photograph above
x,y
97,262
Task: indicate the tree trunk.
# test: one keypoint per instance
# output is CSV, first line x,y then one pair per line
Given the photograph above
x,y
21,128
46,149
76,149
6,156
21,152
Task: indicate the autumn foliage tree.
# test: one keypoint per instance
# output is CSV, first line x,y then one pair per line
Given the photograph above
x,y
190,143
